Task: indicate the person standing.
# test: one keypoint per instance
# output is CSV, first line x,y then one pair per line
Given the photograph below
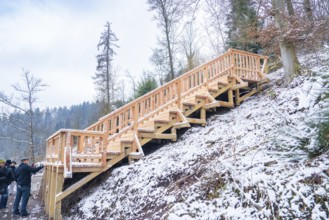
x,y
10,178
5,178
12,186
23,180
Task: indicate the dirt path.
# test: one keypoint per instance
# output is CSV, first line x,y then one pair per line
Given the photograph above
x,y
34,206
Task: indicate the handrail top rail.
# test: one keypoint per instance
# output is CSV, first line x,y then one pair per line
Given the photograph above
x,y
75,131
130,104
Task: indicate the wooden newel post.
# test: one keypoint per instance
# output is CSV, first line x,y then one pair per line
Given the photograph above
x,y
265,65
135,113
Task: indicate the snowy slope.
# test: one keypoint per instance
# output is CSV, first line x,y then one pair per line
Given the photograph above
x,y
248,163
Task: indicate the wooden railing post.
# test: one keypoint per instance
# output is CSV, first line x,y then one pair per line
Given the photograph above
x,y
265,66
135,111
232,60
205,76
178,87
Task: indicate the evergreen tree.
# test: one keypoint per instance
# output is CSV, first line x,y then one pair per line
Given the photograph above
x,y
105,75
243,24
145,85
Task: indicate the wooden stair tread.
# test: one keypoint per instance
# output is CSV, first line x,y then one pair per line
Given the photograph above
x,y
113,152
201,96
127,140
146,129
161,121
188,103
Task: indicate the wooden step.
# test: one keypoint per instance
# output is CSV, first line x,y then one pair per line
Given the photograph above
x,y
197,121
113,152
159,122
188,104
158,136
146,130
126,141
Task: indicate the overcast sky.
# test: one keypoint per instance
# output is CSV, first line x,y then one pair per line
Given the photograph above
x,y
57,42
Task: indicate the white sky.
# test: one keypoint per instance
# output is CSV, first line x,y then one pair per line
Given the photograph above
x,y
57,42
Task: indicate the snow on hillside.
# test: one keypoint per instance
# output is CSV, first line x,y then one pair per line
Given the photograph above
x,y
248,163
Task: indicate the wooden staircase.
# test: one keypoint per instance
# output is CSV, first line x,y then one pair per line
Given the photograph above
x,y
223,82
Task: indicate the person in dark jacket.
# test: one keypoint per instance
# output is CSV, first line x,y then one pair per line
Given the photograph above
x,y
5,179
12,186
23,179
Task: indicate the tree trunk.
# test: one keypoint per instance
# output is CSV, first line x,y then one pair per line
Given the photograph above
x,y
171,62
290,8
288,54
308,9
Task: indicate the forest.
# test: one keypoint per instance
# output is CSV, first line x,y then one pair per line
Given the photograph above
x,y
189,33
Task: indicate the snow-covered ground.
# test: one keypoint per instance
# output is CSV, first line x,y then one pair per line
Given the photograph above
x,y
251,162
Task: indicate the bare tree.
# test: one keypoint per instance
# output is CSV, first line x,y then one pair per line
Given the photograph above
x,y
290,8
132,80
308,9
159,61
190,47
24,104
104,77
216,14
169,14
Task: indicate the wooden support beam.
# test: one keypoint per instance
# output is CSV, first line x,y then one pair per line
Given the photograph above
x,y
87,169
57,186
173,132
212,105
195,108
203,116
196,121
77,185
230,97
237,97
138,144
59,189
157,136
238,79
51,192
134,156
182,125
248,95
222,90
210,97
239,86
226,104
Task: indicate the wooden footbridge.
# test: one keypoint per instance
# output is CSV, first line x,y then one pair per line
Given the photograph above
x,y
223,82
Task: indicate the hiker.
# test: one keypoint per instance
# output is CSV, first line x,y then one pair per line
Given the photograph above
x,y
4,182
10,178
23,175
12,186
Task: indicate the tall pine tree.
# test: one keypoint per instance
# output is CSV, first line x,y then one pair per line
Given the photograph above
x,y
242,26
105,75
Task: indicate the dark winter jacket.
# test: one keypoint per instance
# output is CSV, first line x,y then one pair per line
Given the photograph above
x,y
11,169
23,174
4,178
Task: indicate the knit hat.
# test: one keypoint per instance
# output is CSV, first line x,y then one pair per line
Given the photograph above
x,y
8,161
2,161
